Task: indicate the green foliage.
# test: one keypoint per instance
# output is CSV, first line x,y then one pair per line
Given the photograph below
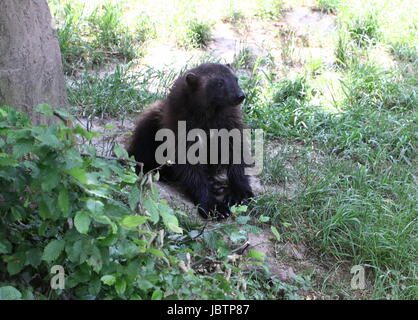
x,y
120,92
346,186
99,38
234,16
405,51
369,85
9,293
344,54
110,33
74,49
244,59
364,29
271,9
197,34
107,227
328,6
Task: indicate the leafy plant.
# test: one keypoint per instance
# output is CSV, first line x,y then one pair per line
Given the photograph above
x,y
328,6
364,29
115,238
270,9
197,34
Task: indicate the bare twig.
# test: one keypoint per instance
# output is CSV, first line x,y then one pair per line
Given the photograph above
x,y
201,231
205,260
241,250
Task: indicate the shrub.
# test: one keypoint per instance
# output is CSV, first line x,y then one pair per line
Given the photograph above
x,y
271,9
364,29
63,205
197,34
328,6
110,33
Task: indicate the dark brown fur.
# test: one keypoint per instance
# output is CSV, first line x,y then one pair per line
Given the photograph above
x,y
206,97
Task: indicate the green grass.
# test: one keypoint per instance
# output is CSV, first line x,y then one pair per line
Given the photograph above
x,y
111,36
328,6
197,34
118,93
357,204
244,59
93,38
271,9
405,52
74,49
234,16
365,29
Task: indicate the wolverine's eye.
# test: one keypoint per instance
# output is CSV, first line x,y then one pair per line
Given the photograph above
x,y
220,83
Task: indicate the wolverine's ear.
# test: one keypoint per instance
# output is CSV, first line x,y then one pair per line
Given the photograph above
x,y
192,80
229,66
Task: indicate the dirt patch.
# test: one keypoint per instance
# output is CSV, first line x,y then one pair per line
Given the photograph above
x,y
306,21
262,242
162,55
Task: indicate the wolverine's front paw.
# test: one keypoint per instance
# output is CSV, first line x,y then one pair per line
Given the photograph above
x,y
219,211
222,211
239,196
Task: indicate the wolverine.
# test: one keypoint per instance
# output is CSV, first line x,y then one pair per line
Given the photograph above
x,y
206,97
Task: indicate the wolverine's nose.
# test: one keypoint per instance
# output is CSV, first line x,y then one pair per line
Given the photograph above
x,y
240,98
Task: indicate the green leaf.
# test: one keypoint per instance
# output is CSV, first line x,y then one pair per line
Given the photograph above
x,y
78,173
133,198
65,114
22,148
86,134
53,250
95,206
44,210
108,280
82,222
256,255
243,219
49,140
50,179
120,152
237,236
106,220
157,295
63,200
144,284
75,251
174,226
34,257
152,209
276,233
95,260
6,160
130,222
9,293
264,219
236,210
156,252
16,263
169,219
45,109
120,286
5,246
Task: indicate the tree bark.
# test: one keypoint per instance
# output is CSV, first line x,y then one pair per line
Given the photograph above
x,y
30,59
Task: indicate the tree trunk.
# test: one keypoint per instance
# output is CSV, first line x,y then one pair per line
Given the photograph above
x,y
30,59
